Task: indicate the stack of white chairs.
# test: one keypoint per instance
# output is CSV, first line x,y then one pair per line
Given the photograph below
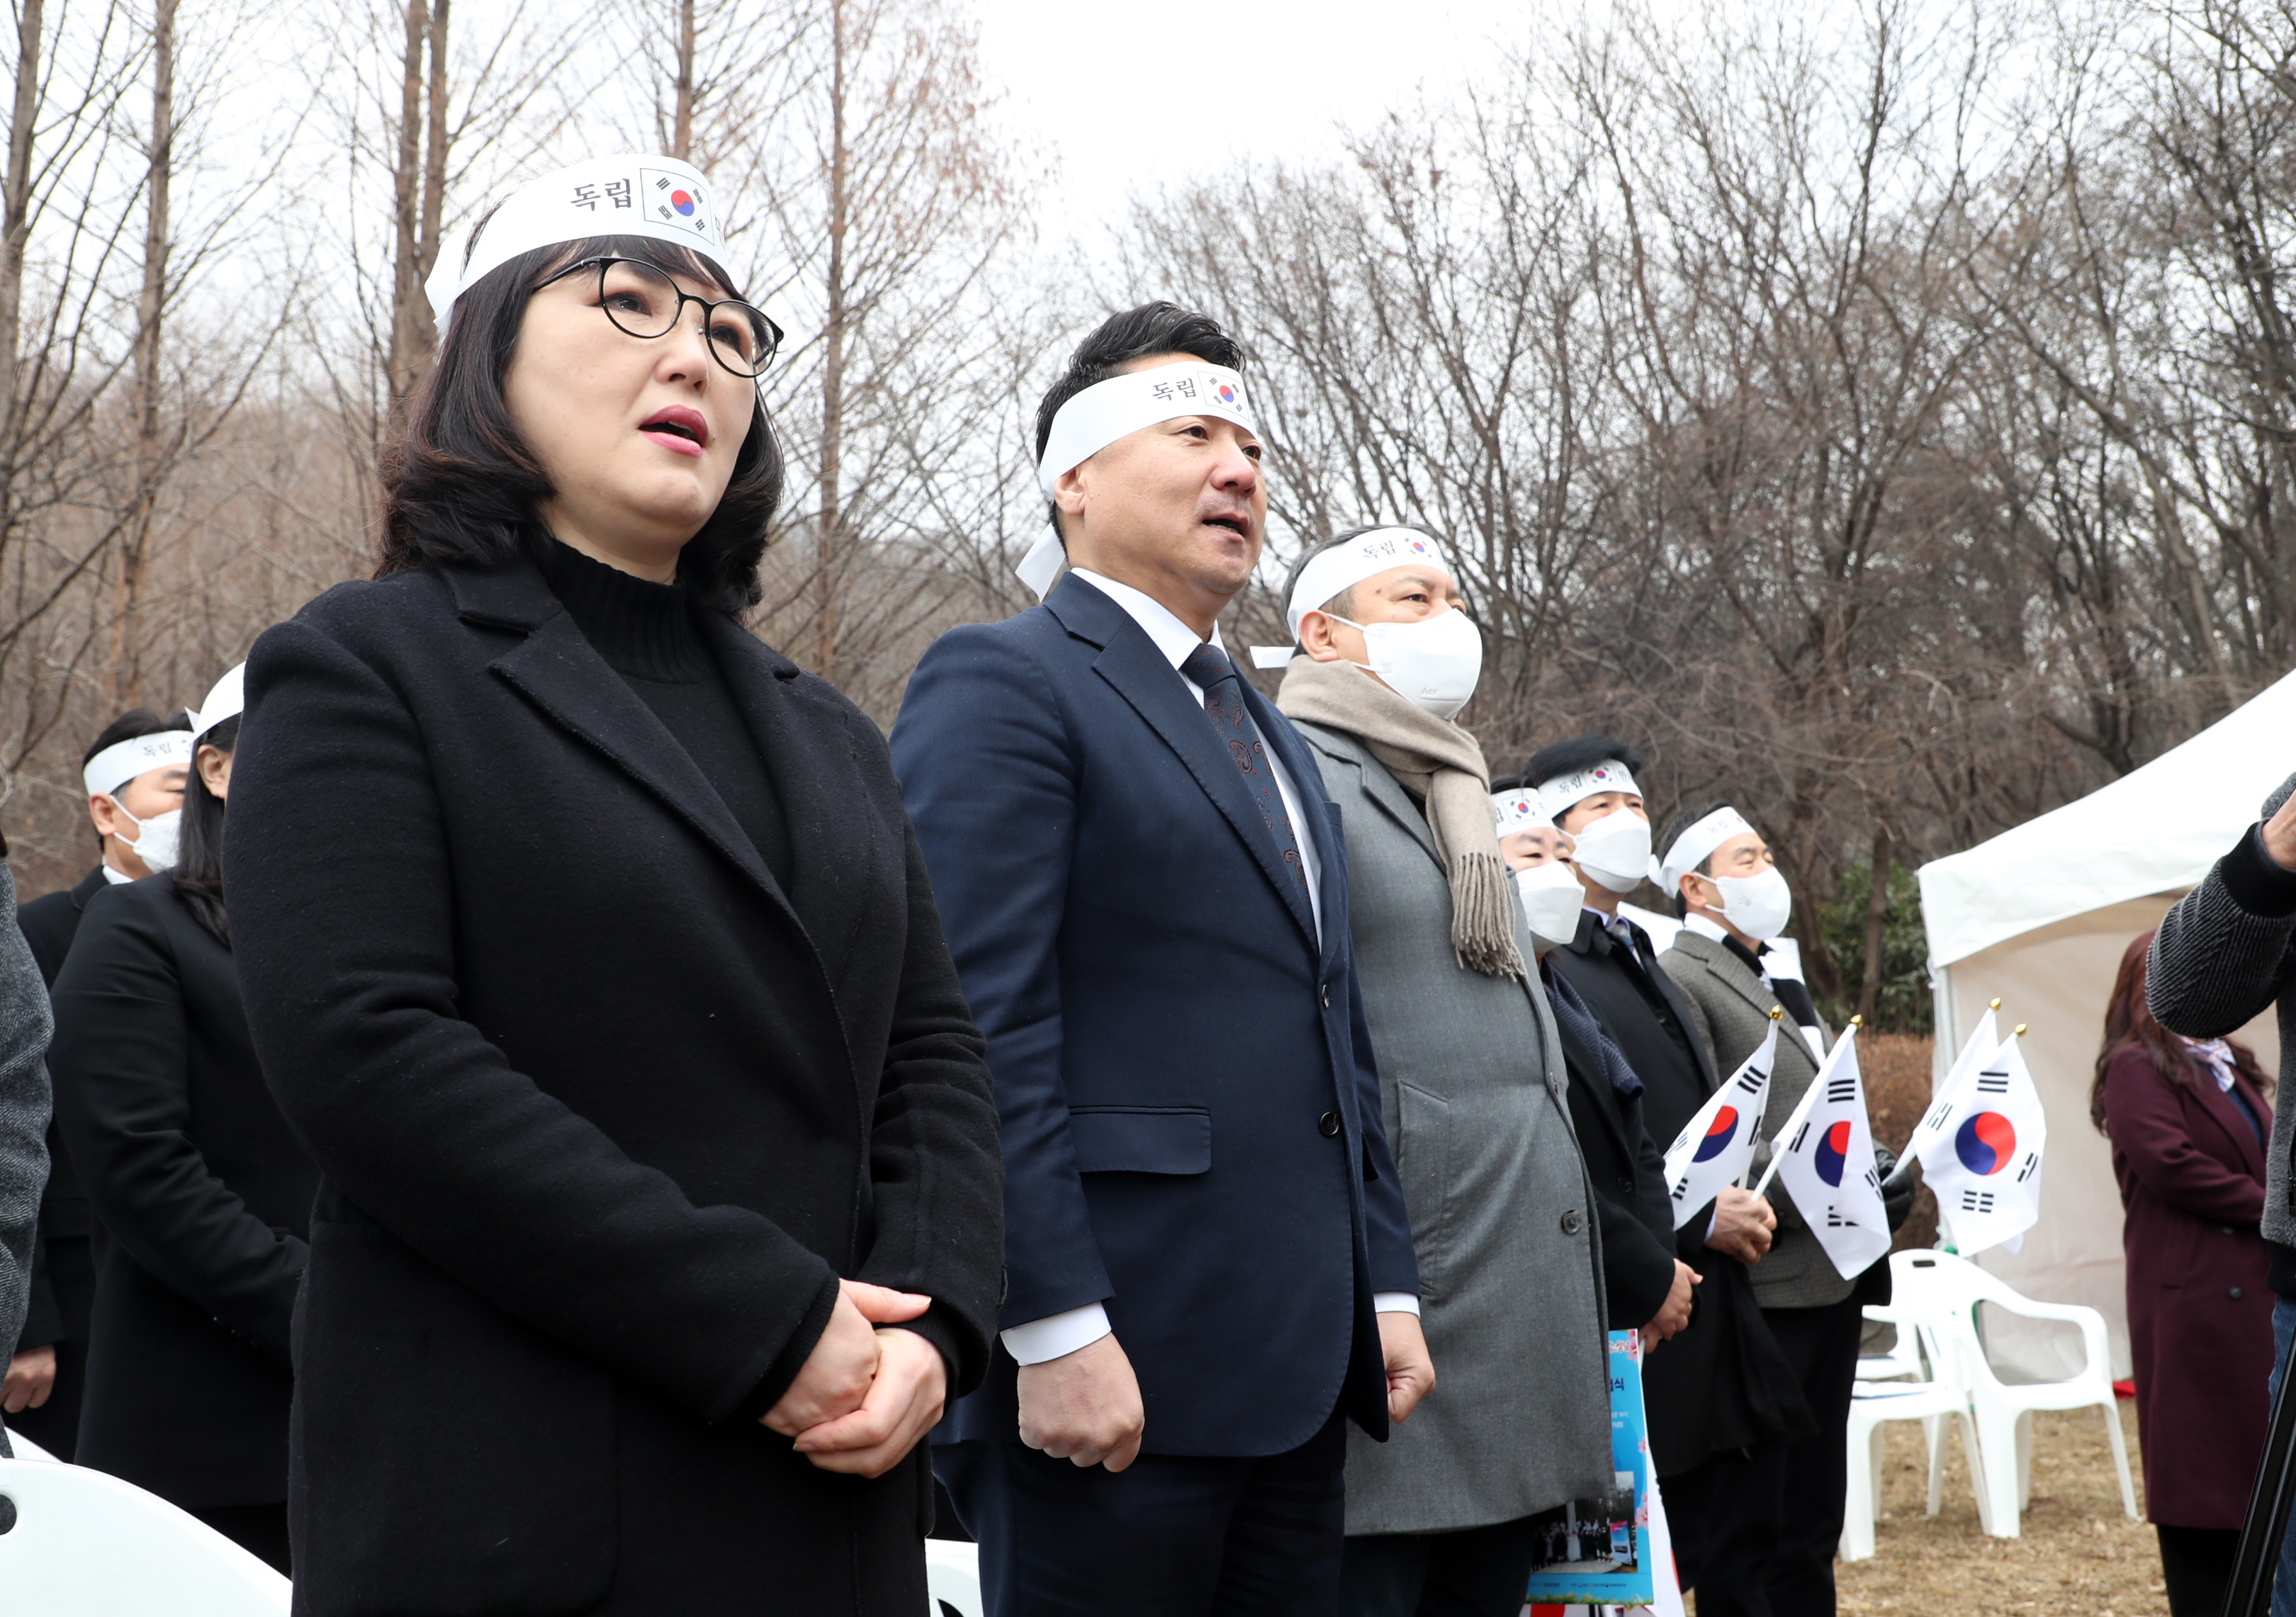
x,y
1902,1387
1938,1295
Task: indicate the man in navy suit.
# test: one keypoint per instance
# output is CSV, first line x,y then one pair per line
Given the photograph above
x,y
1207,1262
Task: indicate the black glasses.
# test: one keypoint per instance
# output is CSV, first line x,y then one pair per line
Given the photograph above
x,y
645,302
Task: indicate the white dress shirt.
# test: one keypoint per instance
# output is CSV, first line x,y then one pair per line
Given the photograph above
x,y
1059,1334
114,877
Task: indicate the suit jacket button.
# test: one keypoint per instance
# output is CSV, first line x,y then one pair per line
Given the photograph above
x,y
1328,996
1572,1222
1328,1125
2235,1294
1627,1184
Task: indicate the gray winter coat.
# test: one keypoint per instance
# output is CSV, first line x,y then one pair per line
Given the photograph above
x,y
1472,1082
2227,950
24,1029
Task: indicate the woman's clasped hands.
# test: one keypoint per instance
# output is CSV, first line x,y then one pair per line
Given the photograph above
x,y
869,1390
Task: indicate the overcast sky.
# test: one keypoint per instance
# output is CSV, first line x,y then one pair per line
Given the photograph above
x,y
1135,97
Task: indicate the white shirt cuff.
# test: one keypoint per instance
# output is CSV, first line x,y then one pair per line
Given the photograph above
x,y
1394,1303
1056,1335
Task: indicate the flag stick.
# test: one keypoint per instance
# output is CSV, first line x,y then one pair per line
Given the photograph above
x,y
1801,1109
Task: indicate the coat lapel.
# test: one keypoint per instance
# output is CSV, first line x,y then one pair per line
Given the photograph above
x,y
557,670
2225,1111
1130,662
1728,970
837,856
1378,785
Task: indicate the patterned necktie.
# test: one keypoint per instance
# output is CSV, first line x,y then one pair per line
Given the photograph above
x,y
1209,667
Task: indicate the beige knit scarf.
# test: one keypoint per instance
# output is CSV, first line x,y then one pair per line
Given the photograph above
x,y
1441,765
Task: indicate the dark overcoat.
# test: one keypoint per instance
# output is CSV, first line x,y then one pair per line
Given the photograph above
x,y
2199,1316
602,1112
1721,1385
205,1195
63,1268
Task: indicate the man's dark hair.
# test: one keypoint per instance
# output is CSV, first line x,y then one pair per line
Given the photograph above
x,y
1579,752
1508,783
1343,603
198,875
1137,333
134,722
1674,827
459,484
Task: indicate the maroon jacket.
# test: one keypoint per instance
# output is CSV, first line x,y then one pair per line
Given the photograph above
x,y
2200,1316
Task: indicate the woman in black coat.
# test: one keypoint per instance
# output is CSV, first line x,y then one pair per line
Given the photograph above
x,y
588,946
203,1192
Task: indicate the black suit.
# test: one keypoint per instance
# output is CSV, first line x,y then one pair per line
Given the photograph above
x,y
63,1268
604,1111
205,1197
1720,1396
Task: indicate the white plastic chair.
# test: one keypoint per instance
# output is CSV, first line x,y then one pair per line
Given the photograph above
x,y
1942,1292
953,1580
27,1449
1903,1361
1876,1403
88,1545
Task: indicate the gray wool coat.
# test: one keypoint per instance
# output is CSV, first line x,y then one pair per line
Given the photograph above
x,y
1471,1081
24,1029
1733,1005
2225,951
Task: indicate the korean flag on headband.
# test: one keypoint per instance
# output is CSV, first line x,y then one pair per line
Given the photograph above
x,y
675,200
1980,1149
1825,1157
1716,1146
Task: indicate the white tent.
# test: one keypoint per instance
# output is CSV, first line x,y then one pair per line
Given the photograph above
x,y
2039,917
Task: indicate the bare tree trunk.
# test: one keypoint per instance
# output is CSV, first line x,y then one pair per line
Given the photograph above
x,y
150,311
406,199
681,140
15,230
828,553
1877,911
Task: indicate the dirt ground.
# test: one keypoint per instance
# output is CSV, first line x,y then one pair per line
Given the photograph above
x,y
2078,1553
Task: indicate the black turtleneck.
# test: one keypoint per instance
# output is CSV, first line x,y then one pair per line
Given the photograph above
x,y
646,634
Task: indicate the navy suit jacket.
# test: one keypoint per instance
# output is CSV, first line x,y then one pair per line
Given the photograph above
x,y
1191,1116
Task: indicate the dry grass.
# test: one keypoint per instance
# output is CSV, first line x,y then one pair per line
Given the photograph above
x,y
2078,1553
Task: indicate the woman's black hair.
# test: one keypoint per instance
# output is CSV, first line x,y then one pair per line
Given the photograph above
x,y
198,875
459,484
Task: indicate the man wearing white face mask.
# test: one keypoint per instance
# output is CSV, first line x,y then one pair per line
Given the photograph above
x,y
1722,1400
1735,902
1473,1085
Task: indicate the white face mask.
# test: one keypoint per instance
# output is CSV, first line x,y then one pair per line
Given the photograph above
x,y
1757,906
1616,850
155,839
1434,662
1551,899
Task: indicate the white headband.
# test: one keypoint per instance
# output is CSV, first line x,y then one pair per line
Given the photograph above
x,y
1517,810
629,195
1334,571
1118,407
227,699
1694,846
1557,795
123,760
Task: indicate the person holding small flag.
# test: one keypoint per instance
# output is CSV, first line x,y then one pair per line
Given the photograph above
x,y
1722,1400
2187,1120
1734,900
